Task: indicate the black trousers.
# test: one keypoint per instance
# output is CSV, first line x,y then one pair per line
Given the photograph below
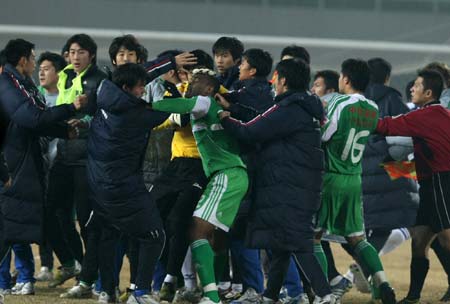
x,y
67,190
307,264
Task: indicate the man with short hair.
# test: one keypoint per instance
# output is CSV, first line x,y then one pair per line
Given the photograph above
x,y
227,53
351,119
325,85
28,118
429,126
289,139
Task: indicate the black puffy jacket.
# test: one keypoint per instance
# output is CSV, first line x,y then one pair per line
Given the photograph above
x,y
28,119
387,204
289,171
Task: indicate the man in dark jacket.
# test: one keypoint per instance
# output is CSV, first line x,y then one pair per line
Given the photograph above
x,y
116,148
227,53
28,119
284,201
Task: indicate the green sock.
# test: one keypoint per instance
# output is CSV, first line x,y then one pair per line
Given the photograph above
x,y
203,257
220,259
368,256
321,258
69,264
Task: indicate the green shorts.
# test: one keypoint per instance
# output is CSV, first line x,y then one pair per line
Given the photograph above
x,y
223,195
341,212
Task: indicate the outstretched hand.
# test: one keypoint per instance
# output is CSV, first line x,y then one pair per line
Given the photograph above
x,y
185,58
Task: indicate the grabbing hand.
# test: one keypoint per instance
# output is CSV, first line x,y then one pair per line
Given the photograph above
x,y
222,101
185,59
78,123
224,114
80,102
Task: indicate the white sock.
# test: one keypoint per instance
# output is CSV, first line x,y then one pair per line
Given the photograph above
x,y
170,279
395,239
188,271
336,280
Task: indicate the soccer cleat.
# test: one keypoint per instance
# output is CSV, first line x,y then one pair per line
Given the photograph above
x,y
23,289
186,296
340,288
125,295
145,299
105,298
79,291
44,275
360,281
446,296
63,274
387,294
328,299
248,297
303,299
231,296
409,301
167,292
293,300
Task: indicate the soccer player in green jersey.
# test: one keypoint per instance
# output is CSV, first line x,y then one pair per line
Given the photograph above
x,y
351,118
228,181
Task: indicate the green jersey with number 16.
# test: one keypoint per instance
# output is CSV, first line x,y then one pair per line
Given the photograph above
x,y
351,119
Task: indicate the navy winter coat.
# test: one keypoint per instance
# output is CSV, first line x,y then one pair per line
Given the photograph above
x,y
387,204
117,143
28,119
289,171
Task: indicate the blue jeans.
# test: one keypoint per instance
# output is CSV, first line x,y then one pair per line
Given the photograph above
x,y
24,262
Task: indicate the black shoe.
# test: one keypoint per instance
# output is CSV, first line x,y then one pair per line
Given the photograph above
x,y
387,294
409,301
446,296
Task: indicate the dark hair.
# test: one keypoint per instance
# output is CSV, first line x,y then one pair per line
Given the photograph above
x,y
357,71
209,80
433,81
231,44
296,51
16,49
171,53
2,58
408,87
204,60
260,60
65,48
380,70
85,42
129,74
330,78
57,60
442,69
296,72
130,43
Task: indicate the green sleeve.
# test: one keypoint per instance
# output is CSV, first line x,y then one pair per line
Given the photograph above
x,y
175,105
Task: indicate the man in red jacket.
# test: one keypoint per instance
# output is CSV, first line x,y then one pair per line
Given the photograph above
x,y
429,126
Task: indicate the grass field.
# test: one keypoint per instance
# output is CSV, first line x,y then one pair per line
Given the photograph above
x,y
396,265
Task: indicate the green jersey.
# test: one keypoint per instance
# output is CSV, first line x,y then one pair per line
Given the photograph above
x,y
217,149
351,119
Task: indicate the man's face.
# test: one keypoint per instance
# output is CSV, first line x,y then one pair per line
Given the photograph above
x,y
223,61
419,96
245,70
319,87
342,82
138,90
30,64
125,56
79,57
48,77
278,85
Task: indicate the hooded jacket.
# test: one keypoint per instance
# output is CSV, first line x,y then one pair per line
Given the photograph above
x,y
116,148
289,169
387,204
